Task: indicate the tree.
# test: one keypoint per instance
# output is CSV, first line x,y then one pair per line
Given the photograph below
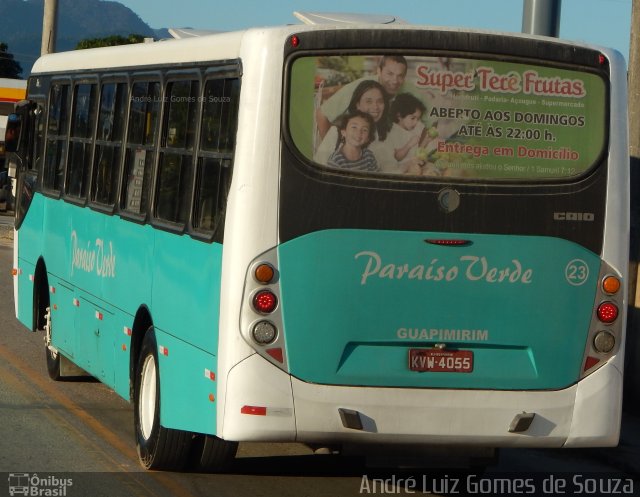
x,y
109,41
9,68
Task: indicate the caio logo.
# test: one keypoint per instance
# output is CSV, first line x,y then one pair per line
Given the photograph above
x,y
573,216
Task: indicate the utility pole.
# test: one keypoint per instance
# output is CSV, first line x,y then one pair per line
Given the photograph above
x,y
541,17
632,362
49,27
634,82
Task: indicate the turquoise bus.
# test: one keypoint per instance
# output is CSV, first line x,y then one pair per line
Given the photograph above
x,y
335,233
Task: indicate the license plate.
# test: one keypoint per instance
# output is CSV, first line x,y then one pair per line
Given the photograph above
x,y
441,361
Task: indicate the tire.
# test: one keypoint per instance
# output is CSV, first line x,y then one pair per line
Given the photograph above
x,y
211,454
158,447
53,363
42,320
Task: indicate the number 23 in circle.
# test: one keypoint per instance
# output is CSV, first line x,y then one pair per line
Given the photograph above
x,y
577,272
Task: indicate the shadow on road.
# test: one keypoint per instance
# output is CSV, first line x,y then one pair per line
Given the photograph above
x,y
306,465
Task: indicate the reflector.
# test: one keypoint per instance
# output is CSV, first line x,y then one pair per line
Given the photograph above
x,y
276,353
590,362
255,410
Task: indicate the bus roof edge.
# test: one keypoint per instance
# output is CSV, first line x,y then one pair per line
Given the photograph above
x,y
181,33
346,18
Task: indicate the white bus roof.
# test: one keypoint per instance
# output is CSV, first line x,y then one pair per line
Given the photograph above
x,y
314,18
181,33
193,46
192,49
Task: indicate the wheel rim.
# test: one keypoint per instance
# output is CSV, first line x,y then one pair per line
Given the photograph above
x,y
52,353
147,404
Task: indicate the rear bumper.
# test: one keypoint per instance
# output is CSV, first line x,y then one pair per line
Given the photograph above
x,y
585,414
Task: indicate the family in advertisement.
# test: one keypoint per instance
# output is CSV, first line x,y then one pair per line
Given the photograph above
x,y
468,118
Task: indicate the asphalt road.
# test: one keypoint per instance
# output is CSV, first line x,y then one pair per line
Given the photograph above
x,y
75,439
81,430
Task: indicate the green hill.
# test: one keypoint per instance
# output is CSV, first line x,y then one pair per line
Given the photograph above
x,y
21,25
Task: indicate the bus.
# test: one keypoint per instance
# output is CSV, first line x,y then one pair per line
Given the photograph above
x,y
11,91
452,273
19,483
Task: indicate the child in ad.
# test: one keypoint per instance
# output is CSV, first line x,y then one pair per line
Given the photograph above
x,y
351,151
407,129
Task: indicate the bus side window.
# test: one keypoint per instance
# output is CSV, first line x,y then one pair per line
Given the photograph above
x,y
212,189
215,161
144,113
55,155
80,142
175,171
104,184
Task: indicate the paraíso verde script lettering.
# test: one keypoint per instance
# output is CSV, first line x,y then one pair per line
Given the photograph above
x,y
471,267
98,258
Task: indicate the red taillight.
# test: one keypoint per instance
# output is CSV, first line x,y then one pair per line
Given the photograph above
x,y
607,312
265,302
448,242
295,41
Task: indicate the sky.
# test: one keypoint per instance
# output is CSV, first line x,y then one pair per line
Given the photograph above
x,y
602,22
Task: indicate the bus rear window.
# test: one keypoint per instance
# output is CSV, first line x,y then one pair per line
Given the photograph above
x,y
446,117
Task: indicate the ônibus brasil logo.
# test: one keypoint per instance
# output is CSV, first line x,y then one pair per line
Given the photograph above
x,y
35,486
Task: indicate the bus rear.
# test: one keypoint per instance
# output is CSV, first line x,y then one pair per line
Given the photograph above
x,y
466,286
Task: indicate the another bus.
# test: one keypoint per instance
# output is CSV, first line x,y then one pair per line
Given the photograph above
x,y
451,274
11,91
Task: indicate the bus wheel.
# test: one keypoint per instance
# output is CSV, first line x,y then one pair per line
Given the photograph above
x,y
211,454
52,354
53,363
158,447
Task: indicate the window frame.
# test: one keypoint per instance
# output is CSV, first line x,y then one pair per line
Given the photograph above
x,y
216,233
62,138
82,199
117,79
140,218
170,78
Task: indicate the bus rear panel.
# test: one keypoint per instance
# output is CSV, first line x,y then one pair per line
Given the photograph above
x,y
478,299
